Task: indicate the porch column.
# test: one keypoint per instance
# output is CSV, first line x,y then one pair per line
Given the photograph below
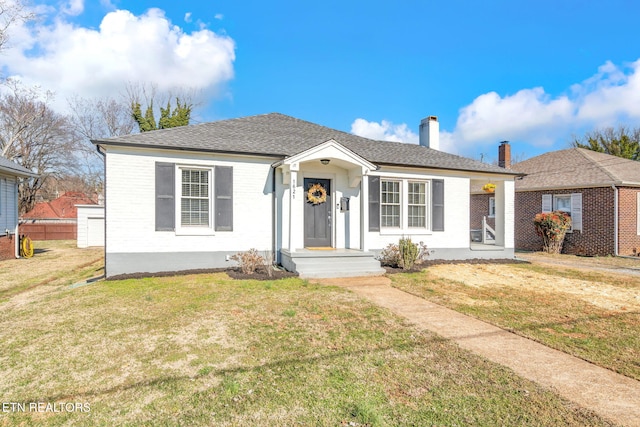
x,y
499,195
295,226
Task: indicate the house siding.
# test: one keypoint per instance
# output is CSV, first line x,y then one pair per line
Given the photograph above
x,y
8,203
133,244
628,238
456,212
598,228
454,241
8,215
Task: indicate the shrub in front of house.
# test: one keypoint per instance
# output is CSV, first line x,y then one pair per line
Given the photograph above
x,y
405,254
249,261
552,227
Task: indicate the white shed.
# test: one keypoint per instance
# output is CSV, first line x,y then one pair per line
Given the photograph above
x,y
90,225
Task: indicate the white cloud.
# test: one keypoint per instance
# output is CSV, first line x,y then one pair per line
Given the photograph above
x,y
219,16
187,17
532,116
384,131
387,131
526,113
69,59
610,95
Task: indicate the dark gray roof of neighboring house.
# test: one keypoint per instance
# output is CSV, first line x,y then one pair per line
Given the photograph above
x,y
576,168
282,136
12,168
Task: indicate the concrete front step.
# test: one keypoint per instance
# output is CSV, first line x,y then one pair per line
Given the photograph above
x,y
332,264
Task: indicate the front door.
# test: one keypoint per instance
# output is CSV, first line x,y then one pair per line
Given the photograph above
x,y
317,213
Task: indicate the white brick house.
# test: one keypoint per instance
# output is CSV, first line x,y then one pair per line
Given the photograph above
x,y
189,197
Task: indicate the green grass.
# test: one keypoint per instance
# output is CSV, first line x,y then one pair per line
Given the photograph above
x,y
55,263
207,350
606,337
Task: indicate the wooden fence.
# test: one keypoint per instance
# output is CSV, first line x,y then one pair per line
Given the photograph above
x,y
64,231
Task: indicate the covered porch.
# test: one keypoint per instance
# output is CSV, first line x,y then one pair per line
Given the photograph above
x,y
491,208
319,223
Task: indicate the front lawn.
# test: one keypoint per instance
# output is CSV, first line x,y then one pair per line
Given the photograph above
x,y
589,314
208,350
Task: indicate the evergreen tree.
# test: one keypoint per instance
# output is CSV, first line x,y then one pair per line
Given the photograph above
x,y
620,142
179,116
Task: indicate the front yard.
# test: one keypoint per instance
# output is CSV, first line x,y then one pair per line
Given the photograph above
x,y
209,350
590,313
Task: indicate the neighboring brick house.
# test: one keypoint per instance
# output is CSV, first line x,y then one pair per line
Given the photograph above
x,y
600,191
54,220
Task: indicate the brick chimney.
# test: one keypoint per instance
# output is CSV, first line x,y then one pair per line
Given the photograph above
x,y
430,132
504,155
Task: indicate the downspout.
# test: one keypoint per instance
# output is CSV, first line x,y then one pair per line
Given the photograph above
x,y
104,156
615,218
16,235
274,213
16,238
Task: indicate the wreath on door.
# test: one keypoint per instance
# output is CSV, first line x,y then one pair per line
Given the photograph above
x,y
317,194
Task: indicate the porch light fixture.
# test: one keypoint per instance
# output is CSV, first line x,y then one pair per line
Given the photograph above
x,y
325,161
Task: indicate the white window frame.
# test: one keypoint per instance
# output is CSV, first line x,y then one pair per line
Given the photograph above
x,y
399,204
193,230
492,207
549,203
556,197
426,208
403,227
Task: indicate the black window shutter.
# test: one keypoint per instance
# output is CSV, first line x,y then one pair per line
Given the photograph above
x,y
223,188
437,205
374,203
165,196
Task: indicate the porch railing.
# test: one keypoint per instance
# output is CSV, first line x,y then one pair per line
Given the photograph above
x,y
488,233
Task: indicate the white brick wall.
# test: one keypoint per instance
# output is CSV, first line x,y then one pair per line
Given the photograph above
x,y
130,203
456,215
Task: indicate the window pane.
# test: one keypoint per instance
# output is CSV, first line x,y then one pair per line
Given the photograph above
x,y
390,204
563,203
416,205
195,201
417,216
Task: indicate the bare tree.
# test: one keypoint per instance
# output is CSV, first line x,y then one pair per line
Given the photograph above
x,y
36,137
94,119
12,12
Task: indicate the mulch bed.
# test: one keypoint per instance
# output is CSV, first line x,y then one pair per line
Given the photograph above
x,y
234,273
261,273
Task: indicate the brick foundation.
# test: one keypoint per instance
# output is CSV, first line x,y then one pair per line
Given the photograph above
x,y
7,247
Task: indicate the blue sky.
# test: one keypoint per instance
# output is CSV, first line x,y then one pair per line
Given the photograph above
x,y
533,73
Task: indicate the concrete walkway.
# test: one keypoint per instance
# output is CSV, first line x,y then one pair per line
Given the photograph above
x,y
607,393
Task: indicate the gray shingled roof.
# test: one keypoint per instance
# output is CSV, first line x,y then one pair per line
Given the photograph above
x,y
8,166
283,136
576,168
